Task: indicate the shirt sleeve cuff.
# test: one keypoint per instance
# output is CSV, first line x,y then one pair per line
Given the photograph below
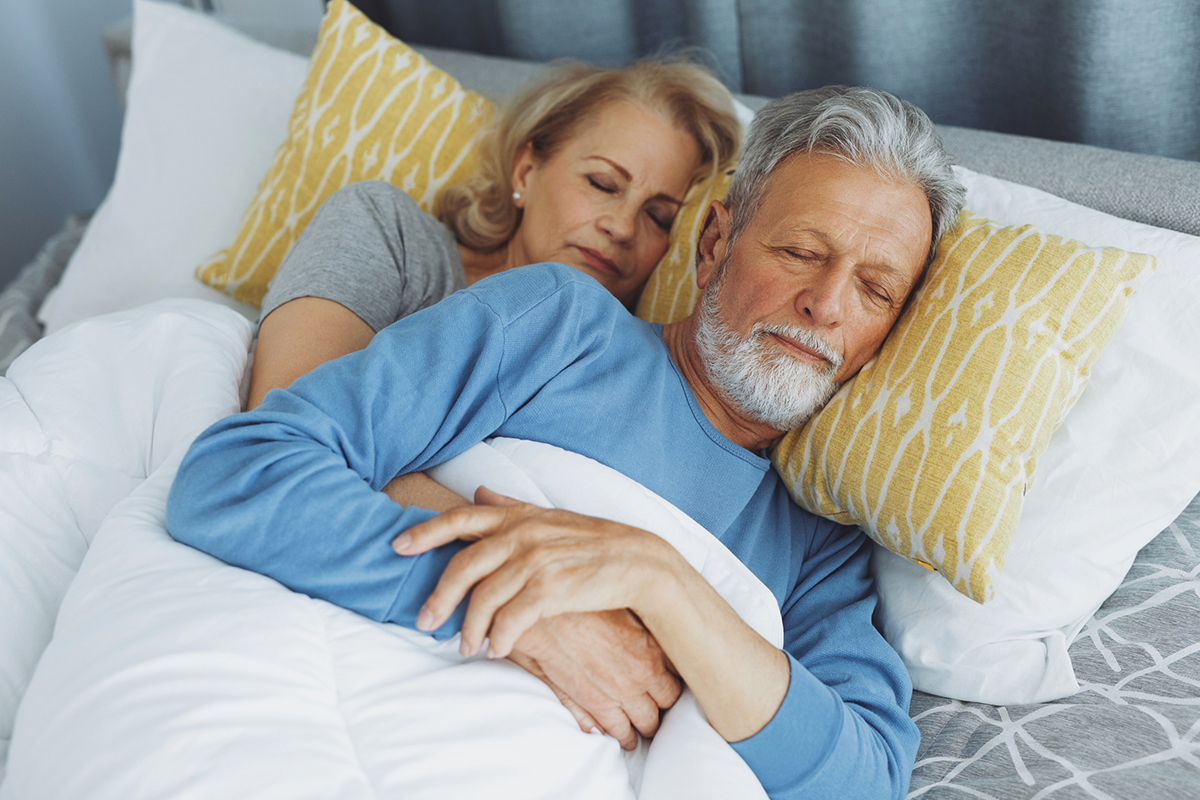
x,y
419,584
801,735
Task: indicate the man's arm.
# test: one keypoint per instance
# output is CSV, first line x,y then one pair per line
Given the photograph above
x,y
825,718
842,729
292,489
835,699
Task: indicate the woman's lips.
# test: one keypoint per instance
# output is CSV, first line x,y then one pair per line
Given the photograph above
x,y
596,260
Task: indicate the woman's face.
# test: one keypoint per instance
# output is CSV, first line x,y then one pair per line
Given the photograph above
x,y
604,202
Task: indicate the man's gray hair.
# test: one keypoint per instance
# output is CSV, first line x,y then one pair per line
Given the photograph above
x,y
865,127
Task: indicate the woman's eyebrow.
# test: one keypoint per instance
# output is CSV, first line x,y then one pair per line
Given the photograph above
x,y
629,177
624,172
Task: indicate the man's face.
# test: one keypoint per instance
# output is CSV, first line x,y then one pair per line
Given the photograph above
x,y
834,250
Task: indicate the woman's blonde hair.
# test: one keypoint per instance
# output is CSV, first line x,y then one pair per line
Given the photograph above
x,y
480,211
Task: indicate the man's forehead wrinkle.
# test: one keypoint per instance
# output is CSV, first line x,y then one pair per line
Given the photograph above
x,y
836,209
797,230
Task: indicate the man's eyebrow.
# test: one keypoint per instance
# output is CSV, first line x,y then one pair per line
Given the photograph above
x,y
880,266
627,176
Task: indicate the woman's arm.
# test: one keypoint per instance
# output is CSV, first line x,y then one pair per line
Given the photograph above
x,y
369,257
298,337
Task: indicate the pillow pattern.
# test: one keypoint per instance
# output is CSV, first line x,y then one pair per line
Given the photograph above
x,y
932,446
671,291
1121,468
372,108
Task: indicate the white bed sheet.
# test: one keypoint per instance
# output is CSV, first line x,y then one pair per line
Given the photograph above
x,y
172,674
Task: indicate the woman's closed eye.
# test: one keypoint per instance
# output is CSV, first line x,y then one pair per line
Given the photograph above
x,y
661,219
603,184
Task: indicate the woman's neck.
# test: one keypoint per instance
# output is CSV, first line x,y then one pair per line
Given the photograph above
x,y
477,265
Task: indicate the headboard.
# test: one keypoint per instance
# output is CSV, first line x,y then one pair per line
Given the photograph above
x,y
1163,192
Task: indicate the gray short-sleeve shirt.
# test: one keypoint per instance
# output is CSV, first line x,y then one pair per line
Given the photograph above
x,y
370,248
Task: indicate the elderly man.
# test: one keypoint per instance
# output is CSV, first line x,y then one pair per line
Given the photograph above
x,y
834,212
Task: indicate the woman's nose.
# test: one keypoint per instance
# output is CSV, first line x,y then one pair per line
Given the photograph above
x,y
619,223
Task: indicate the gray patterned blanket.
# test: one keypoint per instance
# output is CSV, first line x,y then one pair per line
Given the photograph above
x,y
21,299
1132,733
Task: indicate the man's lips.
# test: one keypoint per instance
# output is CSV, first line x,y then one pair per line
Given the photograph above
x,y
596,260
798,349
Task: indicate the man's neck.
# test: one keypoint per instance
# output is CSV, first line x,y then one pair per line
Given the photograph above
x,y
730,422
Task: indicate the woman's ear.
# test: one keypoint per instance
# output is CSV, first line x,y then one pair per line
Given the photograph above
x,y
713,244
523,165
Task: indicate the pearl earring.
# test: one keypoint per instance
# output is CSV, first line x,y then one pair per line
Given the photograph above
x,y
516,195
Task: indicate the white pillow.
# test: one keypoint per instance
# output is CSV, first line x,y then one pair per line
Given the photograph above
x,y
206,109
1124,464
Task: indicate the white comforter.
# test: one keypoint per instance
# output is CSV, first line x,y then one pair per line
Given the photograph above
x,y
172,674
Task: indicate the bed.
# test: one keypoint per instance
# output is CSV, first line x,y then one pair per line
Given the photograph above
x,y
1126,726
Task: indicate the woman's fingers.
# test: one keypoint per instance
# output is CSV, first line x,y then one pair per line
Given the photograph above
x,y
665,690
644,715
587,723
619,728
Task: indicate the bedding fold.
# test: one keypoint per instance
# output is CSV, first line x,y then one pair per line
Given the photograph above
x,y
85,420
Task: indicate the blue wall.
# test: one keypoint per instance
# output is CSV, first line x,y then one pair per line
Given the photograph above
x,y
60,121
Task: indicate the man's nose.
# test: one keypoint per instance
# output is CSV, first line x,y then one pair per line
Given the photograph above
x,y
826,296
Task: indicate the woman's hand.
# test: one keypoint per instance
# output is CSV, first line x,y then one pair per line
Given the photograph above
x,y
605,668
529,563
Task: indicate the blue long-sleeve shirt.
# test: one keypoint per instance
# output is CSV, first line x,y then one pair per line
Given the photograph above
x,y
544,353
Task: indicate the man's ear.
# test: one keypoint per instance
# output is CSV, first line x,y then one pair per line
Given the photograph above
x,y
523,164
713,244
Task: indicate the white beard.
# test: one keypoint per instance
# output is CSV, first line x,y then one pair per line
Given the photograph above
x,y
758,377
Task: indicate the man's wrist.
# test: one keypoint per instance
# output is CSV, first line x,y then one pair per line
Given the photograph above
x,y
663,584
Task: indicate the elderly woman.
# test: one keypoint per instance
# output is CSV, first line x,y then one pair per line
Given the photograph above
x,y
587,168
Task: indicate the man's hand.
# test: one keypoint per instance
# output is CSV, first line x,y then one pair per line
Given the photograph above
x,y
605,668
527,563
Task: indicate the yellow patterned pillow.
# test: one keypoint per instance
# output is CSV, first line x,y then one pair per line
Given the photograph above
x,y
671,291
931,448
372,108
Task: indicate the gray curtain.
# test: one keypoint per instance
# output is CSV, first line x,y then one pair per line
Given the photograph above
x,y
1123,74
